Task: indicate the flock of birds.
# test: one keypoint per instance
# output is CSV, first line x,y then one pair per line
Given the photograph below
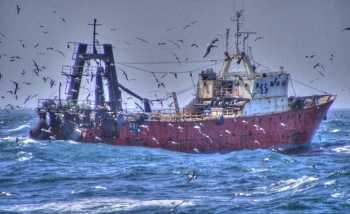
x,y
38,69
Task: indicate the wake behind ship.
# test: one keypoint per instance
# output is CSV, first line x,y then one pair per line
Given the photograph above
x,y
232,109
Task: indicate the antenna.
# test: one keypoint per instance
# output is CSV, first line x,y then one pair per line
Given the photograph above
x,y
94,35
227,38
238,33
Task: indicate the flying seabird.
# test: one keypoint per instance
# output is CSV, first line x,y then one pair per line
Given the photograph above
x,y
210,46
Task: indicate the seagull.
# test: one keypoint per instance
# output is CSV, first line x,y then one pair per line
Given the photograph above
x,y
124,73
321,66
181,41
194,45
27,99
27,83
0,76
192,176
63,19
175,75
190,24
170,29
311,56
316,65
60,52
52,83
258,38
23,72
210,46
177,58
346,29
18,9
161,43
331,57
36,45
16,87
37,69
174,43
142,40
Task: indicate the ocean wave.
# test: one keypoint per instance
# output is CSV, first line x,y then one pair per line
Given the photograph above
x,y
24,156
5,194
343,149
100,204
292,184
19,128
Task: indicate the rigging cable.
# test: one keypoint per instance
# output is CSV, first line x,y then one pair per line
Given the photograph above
x,y
169,62
309,86
293,88
162,72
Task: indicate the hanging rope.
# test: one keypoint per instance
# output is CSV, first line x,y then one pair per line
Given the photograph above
x,y
163,72
169,62
293,88
311,87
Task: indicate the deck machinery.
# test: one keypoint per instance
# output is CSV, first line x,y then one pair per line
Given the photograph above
x,y
233,109
63,119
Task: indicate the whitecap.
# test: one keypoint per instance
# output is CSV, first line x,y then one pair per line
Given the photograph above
x,y
335,130
291,184
24,156
100,187
344,149
19,128
95,204
329,183
238,194
266,159
196,150
5,194
29,140
336,195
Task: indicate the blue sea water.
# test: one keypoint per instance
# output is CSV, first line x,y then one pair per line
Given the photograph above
x,y
69,177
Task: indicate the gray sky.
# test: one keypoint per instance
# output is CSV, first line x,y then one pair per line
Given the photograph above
x,y
290,29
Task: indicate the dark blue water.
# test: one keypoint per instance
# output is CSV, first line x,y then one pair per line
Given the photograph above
x,y
68,177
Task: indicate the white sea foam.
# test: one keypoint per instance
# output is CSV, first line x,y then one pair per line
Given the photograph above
x,y
336,195
5,194
343,149
19,128
335,130
29,140
292,184
95,205
100,187
24,156
329,183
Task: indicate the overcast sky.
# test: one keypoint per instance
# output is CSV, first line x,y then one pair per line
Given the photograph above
x,y
291,29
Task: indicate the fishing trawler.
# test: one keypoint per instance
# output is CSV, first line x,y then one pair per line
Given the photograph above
x,y
232,109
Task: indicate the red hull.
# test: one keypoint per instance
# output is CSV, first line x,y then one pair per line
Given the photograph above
x,y
264,131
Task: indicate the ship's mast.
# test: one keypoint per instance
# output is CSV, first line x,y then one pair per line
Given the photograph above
x,y
237,34
94,35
